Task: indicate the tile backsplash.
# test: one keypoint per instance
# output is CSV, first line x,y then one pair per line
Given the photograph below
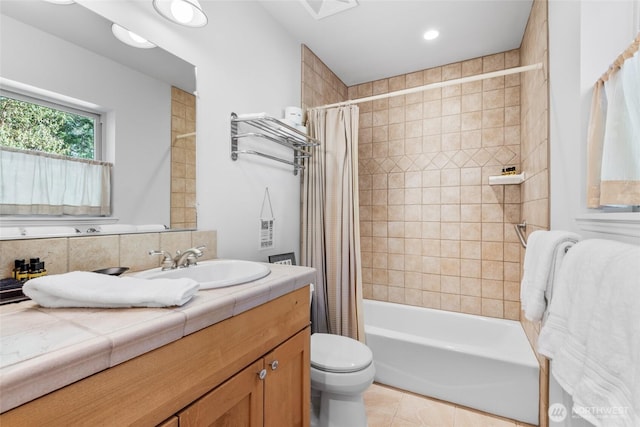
x,y
64,254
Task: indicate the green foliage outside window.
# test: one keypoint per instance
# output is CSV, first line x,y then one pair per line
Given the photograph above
x,y
31,126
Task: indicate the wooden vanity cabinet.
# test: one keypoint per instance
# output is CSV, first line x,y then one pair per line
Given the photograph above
x,y
208,378
272,392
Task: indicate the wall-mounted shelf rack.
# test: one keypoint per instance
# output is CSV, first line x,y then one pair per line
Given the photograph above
x,y
507,179
274,130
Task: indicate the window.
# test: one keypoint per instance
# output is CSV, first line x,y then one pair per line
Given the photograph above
x,y
34,124
48,159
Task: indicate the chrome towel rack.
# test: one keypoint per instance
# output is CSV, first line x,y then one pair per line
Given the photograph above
x,y
274,130
521,229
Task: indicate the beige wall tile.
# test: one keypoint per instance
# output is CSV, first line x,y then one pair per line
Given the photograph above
x,y
54,253
92,253
134,250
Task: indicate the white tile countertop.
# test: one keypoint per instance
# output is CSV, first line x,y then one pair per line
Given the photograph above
x,y
42,349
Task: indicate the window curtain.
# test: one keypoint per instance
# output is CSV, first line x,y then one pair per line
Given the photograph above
x,y
330,231
613,153
35,183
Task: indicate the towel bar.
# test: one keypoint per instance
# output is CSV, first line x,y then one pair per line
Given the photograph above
x,y
520,230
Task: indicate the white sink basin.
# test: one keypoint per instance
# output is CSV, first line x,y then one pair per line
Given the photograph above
x,y
214,273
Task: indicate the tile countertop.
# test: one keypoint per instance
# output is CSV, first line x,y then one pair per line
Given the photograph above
x,y
42,349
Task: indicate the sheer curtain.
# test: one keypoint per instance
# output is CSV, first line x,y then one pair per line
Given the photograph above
x,y
35,183
330,222
613,170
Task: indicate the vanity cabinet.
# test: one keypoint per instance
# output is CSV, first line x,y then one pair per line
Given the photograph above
x,y
210,377
272,392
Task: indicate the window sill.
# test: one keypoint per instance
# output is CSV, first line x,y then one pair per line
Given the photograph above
x,y
619,224
72,221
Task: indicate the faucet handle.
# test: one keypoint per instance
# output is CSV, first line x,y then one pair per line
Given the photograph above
x,y
167,260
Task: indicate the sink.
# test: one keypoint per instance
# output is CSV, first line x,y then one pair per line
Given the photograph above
x,y
213,274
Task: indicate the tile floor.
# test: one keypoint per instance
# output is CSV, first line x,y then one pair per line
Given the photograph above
x,y
389,407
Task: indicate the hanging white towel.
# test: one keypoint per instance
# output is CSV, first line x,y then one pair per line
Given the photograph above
x,y
542,260
86,289
592,332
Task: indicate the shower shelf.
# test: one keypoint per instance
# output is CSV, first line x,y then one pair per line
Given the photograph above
x,y
274,130
507,179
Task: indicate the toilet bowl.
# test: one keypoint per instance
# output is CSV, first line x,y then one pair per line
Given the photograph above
x,y
341,370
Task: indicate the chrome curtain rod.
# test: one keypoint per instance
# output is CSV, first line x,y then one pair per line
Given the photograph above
x,y
462,80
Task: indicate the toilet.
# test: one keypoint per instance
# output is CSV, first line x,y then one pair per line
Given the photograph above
x,y
341,370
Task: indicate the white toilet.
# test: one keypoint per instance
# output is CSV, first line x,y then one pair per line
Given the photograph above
x,y
341,370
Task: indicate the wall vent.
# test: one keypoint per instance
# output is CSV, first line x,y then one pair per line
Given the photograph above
x,y
322,8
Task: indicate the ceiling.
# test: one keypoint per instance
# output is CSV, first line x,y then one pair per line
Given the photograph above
x,y
77,24
383,38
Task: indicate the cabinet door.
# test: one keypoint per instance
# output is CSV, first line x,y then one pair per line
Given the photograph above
x,y
237,402
287,386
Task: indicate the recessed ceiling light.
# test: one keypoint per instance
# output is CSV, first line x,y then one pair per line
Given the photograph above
x,y
183,12
431,34
130,38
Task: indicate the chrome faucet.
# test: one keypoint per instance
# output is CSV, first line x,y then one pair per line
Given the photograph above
x,y
189,257
186,258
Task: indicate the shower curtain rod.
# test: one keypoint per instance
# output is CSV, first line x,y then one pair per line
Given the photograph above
x,y
462,80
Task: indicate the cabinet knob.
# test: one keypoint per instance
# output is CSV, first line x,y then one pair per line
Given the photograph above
x,y
274,365
262,374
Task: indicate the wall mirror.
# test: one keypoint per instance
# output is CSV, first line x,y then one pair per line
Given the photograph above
x,y
70,52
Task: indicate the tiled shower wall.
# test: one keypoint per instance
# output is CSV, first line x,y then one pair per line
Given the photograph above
x,y
433,232
320,86
183,159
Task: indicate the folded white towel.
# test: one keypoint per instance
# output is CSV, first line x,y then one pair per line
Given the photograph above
x,y
117,228
592,332
147,228
49,231
86,289
252,116
542,260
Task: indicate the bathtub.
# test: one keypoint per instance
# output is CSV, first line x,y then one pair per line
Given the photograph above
x,y
474,361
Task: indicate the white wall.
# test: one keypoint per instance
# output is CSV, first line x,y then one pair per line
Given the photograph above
x,y
585,37
246,63
139,145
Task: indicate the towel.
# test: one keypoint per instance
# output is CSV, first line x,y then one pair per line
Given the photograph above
x,y
87,289
147,228
542,260
592,333
117,228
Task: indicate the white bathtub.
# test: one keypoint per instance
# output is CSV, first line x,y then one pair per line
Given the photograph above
x,y
479,362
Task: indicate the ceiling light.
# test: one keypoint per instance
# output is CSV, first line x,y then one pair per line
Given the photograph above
x,y
60,1
431,34
130,38
184,12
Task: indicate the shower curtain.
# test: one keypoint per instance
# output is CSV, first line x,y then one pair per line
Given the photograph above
x,y
330,231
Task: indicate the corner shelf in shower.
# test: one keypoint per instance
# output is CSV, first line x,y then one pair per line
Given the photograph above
x,y
274,130
507,179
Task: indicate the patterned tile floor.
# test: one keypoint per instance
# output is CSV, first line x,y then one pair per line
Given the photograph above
x,y
389,407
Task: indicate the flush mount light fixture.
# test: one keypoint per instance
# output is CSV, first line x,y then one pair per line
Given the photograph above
x,y
431,34
130,38
184,12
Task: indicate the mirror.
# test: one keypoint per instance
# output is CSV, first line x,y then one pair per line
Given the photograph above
x,y
67,52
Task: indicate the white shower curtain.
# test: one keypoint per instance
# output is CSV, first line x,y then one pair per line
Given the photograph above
x,y
330,222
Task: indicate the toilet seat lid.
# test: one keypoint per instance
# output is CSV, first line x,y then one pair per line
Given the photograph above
x,y
335,353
